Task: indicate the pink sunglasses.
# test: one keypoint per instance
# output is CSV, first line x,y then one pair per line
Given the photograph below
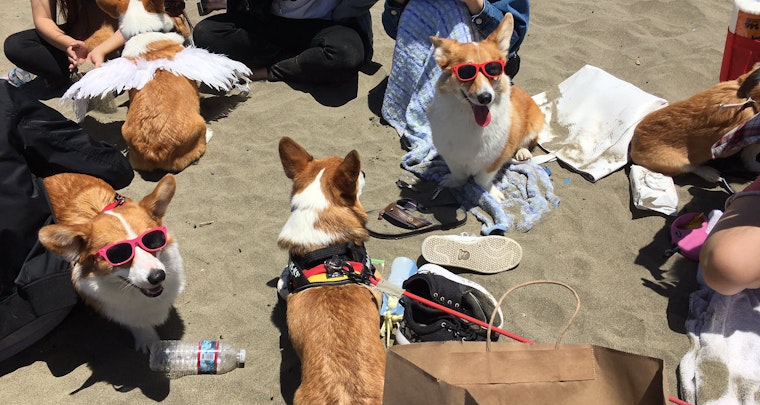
x,y
121,252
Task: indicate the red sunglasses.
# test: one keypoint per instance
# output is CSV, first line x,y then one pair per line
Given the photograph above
x,y
467,71
121,252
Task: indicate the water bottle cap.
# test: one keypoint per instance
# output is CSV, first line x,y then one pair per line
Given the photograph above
x,y
241,356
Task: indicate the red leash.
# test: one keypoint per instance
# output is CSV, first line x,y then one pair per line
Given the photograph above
x,y
458,314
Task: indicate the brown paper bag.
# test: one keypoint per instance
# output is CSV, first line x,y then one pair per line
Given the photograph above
x,y
442,373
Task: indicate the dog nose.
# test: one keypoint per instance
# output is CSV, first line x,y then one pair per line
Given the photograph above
x,y
156,276
485,98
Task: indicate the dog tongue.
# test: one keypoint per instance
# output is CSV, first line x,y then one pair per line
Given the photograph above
x,y
482,115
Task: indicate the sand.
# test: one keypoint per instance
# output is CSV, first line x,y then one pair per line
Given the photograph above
x,y
229,209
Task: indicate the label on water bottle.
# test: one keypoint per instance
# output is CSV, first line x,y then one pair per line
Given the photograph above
x,y
208,356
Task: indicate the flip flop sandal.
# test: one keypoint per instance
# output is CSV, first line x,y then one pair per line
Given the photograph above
x,y
406,217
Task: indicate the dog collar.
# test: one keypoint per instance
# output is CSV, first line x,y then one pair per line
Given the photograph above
x,y
749,102
333,265
118,200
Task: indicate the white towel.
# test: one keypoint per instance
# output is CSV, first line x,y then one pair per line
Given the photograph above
x,y
653,191
589,125
722,367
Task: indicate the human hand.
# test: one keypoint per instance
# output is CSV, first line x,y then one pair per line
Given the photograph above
x,y
475,6
77,53
96,57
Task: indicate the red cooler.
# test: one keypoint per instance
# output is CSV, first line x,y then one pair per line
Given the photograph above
x,y
742,40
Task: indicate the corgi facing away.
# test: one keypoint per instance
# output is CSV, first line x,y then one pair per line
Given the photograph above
x,y
164,129
678,138
333,322
478,120
123,262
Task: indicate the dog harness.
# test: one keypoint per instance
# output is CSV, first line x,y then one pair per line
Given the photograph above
x,y
333,265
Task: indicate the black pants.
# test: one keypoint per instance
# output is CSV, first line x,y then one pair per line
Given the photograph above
x,y
305,51
27,50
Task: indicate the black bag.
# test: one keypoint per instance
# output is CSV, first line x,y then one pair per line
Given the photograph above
x,y
36,141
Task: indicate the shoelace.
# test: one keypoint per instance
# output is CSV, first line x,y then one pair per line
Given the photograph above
x,y
461,330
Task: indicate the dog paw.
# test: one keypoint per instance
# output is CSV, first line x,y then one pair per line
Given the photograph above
x,y
497,194
144,337
523,154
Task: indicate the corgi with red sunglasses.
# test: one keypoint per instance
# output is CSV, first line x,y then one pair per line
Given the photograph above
x,y
478,119
124,264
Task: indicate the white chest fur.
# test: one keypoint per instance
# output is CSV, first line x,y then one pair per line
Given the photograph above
x,y
465,146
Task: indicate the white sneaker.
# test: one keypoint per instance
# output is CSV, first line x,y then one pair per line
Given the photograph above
x,y
482,254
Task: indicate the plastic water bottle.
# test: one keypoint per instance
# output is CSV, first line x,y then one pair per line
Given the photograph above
x,y
401,269
18,77
177,358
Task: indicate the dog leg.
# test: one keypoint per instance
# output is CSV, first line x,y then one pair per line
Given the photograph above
x,y
454,179
708,173
144,337
485,179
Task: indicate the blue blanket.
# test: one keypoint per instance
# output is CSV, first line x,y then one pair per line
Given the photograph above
x,y
411,86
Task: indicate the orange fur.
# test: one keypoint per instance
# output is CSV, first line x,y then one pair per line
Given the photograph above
x,y
162,49
182,26
164,128
527,122
101,34
678,138
333,329
114,8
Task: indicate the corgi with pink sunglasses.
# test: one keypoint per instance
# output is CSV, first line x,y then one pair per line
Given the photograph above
x,y
124,264
478,119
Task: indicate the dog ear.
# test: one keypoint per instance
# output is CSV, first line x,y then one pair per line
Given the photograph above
x,y
442,53
68,241
347,175
748,83
502,36
157,201
293,156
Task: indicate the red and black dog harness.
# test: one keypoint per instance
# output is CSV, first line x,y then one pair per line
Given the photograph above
x,y
333,265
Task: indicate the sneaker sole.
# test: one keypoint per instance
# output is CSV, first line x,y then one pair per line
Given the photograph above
x,y
486,254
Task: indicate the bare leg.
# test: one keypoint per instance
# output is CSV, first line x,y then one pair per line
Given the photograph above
x,y
729,258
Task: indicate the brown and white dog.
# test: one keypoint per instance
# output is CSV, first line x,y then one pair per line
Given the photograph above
x,y
678,138
123,263
164,129
478,120
333,323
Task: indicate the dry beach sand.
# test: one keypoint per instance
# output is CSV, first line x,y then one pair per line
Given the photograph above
x,y
229,209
